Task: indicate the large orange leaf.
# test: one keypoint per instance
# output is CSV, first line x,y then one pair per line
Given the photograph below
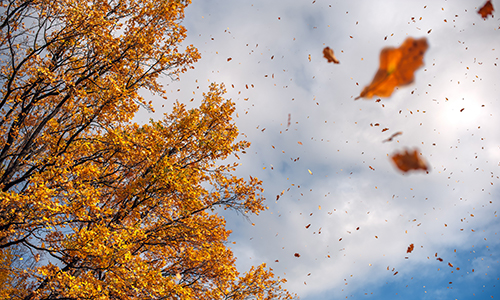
x,y
396,68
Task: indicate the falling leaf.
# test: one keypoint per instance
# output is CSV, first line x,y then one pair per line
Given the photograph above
x,y
229,59
330,57
296,255
392,136
289,120
307,227
310,171
309,57
486,10
439,258
406,161
410,248
300,143
396,68
396,272
450,264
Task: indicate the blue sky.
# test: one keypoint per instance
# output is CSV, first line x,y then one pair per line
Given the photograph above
x,y
450,113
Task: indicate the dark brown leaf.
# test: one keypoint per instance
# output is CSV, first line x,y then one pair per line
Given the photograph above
x,y
486,10
330,57
392,136
406,161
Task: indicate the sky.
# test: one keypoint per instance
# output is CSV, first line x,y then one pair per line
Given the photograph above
x,y
342,205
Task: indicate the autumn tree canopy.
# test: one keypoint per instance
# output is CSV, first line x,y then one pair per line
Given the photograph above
x,y
106,208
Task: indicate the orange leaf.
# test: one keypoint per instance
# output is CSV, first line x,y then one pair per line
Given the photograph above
x,y
396,68
410,248
406,161
296,255
486,10
330,57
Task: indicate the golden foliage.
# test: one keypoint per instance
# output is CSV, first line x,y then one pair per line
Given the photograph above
x,y
6,259
120,211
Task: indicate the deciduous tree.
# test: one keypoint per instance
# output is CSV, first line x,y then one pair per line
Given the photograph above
x,y
115,210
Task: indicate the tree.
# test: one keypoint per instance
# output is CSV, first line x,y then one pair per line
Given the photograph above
x,y
118,210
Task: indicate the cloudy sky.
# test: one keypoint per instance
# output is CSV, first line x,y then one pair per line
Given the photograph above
x,y
330,166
